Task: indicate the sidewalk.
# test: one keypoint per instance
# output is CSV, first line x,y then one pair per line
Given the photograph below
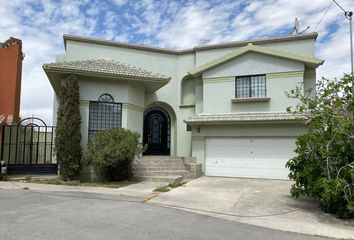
x,y
141,190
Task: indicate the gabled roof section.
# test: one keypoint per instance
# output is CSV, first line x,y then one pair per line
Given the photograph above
x,y
244,117
308,60
104,68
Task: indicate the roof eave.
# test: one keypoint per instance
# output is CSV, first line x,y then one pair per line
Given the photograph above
x,y
51,80
192,50
90,73
230,122
308,61
154,83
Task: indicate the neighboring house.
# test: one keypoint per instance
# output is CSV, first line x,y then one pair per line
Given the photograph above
x,y
25,144
224,104
11,57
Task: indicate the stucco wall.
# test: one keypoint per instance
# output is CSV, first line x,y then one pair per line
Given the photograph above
x,y
131,96
310,80
188,91
253,63
92,89
281,76
134,119
207,96
170,65
217,96
183,136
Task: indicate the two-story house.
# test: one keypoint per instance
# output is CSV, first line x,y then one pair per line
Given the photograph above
x,y
224,104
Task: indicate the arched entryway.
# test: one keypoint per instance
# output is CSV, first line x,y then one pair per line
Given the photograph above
x,y
157,131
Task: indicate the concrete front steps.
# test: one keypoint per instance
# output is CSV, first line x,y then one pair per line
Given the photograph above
x,y
166,168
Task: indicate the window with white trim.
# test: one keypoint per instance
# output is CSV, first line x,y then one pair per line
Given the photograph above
x,y
253,86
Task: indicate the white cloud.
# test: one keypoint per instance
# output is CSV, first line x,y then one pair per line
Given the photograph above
x,y
41,33
119,2
175,24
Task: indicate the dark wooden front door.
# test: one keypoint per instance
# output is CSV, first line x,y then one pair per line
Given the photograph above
x,y
157,132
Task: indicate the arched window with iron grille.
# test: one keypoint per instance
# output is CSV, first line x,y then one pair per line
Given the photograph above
x,y
104,114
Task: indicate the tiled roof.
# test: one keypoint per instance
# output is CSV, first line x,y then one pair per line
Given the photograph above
x,y
2,119
225,118
104,67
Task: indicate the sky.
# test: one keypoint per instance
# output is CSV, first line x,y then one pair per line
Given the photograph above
x,y
180,24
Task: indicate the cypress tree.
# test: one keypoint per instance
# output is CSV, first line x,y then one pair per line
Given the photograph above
x,y
68,135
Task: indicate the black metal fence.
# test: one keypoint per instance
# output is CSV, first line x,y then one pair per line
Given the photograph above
x,y
27,148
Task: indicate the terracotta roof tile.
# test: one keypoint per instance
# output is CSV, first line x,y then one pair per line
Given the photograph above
x,y
105,67
225,118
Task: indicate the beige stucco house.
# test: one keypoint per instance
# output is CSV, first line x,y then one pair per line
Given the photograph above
x,y
223,104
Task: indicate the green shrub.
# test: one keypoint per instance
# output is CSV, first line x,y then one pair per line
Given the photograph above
x,y
170,186
163,189
114,151
324,161
177,184
67,133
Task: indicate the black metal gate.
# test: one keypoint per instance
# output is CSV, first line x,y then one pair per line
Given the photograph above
x,y
27,148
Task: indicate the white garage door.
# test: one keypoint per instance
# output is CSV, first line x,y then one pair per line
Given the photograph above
x,y
248,157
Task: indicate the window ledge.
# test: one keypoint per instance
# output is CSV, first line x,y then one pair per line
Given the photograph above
x,y
245,100
187,106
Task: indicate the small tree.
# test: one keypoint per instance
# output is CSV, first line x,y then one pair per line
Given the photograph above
x,y
323,167
68,135
114,150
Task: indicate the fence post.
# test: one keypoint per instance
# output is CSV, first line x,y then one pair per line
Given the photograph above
x,y
2,134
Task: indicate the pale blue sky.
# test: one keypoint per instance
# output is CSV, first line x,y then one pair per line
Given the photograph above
x,y
172,24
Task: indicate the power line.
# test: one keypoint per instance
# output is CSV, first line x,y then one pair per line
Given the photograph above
x,y
325,14
349,15
339,5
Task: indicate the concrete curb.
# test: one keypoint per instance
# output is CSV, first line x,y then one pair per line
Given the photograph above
x,y
124,191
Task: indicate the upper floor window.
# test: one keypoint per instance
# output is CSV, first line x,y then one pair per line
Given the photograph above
x,y
104,114
251,86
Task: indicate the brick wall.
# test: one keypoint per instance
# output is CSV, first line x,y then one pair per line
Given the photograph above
x,y
11,57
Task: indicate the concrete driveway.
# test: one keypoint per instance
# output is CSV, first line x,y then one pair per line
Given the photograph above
x,y
265,203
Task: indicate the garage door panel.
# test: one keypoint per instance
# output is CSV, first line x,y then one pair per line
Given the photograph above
x,y
244,172
248,157
278,148
228,148
239,163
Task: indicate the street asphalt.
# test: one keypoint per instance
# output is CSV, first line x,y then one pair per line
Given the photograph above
x,y
27,214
